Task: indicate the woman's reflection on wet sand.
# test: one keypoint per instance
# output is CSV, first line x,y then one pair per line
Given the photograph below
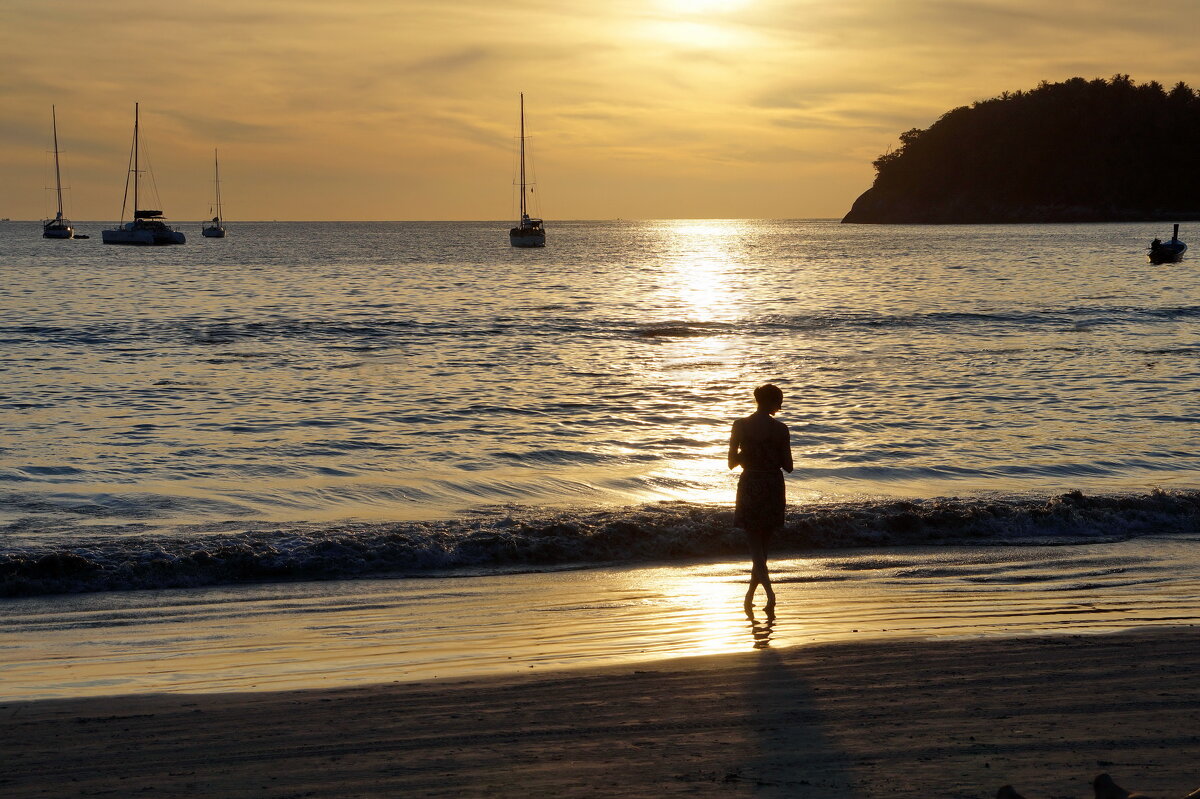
x,y
761,630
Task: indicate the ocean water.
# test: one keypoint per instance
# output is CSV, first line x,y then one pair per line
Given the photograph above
x,y
336,400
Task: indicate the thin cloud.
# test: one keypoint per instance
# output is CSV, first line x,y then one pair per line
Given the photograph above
x,y
220,129
457,61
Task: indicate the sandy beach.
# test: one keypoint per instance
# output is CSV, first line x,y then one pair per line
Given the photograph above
x,y
948,718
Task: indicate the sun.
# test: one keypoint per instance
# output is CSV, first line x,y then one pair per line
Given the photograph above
x,y
704,6
693,24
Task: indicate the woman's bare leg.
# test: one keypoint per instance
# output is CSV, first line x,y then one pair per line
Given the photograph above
x,y
758,572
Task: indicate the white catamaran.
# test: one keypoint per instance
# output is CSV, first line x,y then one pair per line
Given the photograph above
x,y
216,228
528,232
58,227
147,227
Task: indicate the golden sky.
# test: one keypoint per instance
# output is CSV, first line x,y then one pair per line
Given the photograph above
x,y
393,109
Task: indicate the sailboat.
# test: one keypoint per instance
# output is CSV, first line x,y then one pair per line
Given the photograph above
x,y
147,226
57,228
216,228
528,232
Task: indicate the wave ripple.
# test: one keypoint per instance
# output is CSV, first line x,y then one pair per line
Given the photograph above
x,y
514,539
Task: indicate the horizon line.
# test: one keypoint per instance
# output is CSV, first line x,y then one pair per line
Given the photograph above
x,y
470,221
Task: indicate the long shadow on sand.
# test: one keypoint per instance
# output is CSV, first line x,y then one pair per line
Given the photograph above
x,y
791,755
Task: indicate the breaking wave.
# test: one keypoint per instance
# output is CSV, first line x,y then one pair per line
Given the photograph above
x,y
508,539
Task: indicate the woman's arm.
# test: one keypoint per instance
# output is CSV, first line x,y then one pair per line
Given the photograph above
x,y
785,449
735,443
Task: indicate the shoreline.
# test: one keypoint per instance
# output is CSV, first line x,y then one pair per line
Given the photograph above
x,y
326,634
886,718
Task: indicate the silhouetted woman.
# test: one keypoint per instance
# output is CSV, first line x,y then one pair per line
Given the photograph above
x,y
761,445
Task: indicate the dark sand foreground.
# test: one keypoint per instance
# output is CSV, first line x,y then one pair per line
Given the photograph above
x,y
920,718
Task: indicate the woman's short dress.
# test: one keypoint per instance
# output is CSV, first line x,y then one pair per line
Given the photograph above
x,y
760,500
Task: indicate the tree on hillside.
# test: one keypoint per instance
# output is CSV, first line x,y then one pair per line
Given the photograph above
x,y
1078,149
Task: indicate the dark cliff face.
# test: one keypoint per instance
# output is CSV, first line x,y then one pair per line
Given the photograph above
x,y
1077,151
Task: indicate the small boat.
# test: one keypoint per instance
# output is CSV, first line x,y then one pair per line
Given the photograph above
x,y
58,227
528,232
147,227
1167,252
215,229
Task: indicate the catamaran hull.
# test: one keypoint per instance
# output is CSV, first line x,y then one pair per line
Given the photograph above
x,y
144,238
58,233
527,239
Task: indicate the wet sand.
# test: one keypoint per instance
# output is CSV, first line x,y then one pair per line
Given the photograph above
x,y
332,634
896,718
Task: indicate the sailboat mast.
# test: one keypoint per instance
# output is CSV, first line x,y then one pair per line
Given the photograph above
x,y
135,161
523,214
57,173
217,174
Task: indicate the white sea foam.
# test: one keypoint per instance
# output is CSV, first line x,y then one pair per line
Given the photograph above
x,y
521,539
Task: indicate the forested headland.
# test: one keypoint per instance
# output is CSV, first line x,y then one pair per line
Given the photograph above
x,y
1076,151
